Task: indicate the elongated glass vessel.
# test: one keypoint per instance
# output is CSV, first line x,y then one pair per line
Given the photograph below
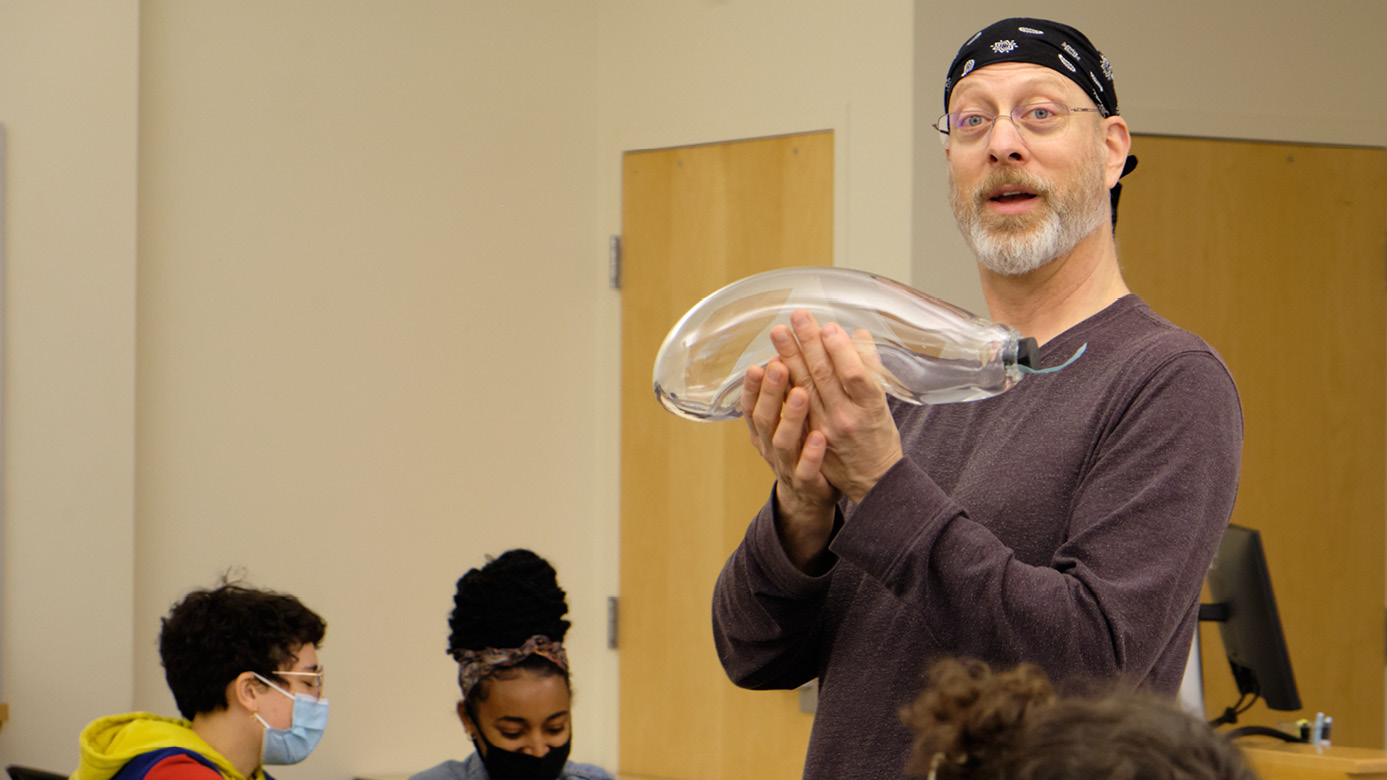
x,y
930,351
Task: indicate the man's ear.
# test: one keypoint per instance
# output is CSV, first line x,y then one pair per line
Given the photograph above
x,y
245,691
1117,141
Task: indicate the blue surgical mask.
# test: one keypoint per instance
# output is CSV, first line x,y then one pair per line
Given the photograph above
x,y
292,745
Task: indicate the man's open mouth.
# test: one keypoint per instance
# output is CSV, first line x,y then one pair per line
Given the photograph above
x,y
1011,195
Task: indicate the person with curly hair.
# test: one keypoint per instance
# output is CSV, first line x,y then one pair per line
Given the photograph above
x,y
507,637
242,664
972,723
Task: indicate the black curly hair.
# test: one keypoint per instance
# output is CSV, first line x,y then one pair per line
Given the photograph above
x,y
512,598
212,636
972,723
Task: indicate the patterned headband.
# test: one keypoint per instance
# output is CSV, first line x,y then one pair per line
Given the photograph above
x,y
474,665
1057,46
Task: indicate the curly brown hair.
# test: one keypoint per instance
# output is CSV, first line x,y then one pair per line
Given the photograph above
x,y
972,723
213,635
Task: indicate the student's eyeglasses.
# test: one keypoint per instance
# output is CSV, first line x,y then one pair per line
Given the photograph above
x,y
1037,120
314,680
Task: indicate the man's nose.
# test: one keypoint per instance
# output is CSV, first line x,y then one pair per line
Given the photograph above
x,y
1004,140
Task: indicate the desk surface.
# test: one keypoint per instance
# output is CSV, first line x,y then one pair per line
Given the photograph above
x,y
1273,760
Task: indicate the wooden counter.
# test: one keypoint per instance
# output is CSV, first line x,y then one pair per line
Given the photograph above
x,y
1293,761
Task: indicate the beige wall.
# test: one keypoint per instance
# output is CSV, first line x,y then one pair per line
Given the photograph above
x,y
367,271
374,336
68,82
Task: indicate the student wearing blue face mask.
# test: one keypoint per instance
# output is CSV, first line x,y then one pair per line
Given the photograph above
x,y
243,667
507,637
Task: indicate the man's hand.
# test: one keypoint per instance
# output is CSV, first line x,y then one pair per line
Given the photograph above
x,y
777,416
819,418
846,404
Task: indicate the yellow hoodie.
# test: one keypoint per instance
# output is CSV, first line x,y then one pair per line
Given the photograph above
x,y
109,742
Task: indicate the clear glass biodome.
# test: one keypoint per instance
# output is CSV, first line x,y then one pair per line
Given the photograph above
x,y
931,352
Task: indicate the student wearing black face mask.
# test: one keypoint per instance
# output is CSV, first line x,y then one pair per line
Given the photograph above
x,y
507,637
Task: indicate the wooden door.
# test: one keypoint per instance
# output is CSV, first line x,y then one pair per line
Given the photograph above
x,y
1274,254
693,220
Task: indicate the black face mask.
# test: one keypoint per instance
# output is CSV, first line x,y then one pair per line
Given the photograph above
x,y
510,765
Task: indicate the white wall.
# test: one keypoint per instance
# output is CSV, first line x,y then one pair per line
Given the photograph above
x,y
68,72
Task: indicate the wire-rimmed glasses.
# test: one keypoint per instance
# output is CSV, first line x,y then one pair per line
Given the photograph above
x,y
314,680
1037,120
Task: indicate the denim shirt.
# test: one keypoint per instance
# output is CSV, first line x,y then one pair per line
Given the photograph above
x,y
472,769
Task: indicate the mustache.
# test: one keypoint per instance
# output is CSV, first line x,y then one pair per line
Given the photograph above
x,y
1010,177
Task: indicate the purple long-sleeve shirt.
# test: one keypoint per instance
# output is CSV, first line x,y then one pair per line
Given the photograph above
x,y
1068,522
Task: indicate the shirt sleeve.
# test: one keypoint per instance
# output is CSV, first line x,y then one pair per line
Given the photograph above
x,y
182,767
576,771
766,611
1143,525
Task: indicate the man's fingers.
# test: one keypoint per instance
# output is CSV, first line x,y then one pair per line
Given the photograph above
x,y
751,394
820,366
765,411
855,361
811,458
791,429
751,390
788,349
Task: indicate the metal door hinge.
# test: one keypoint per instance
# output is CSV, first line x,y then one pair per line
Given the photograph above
x,y
613,621
614,262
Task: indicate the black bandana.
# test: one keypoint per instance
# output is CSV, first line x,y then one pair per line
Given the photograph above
x,y
1057,46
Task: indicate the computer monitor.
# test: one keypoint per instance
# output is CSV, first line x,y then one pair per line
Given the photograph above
x,y
1249,623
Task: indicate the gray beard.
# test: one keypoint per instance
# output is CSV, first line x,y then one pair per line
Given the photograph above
x,y
1007,246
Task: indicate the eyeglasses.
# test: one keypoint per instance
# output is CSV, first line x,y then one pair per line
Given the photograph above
x,y
1038,120
314,680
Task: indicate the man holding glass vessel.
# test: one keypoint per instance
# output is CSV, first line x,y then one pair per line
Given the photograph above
x,y
1067,522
